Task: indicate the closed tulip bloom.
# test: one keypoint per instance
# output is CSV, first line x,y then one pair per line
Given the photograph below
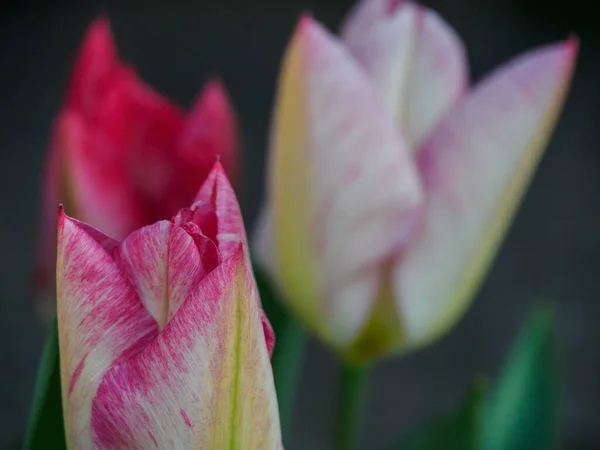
x,y
122,156
391,181
163,342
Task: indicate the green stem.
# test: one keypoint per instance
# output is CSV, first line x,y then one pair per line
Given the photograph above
x,y
350,406
286,361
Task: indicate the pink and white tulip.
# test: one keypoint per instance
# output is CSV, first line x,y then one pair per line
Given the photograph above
x,y
163,342
123,156
392,182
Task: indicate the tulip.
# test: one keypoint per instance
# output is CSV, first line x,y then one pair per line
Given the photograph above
x,y
391,181
163,343
122,156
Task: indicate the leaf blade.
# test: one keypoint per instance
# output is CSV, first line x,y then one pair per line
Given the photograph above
x,y
454,430
45,429
522,410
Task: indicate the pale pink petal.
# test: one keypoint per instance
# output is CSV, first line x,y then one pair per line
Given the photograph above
x,y
387,53
164,263
344,190
100,320
365,16
204,383
438,76
418,64
476,166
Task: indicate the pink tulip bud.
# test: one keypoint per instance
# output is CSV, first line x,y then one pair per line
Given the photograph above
x,y
123,156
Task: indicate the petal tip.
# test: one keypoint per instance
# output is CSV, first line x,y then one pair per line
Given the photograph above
x,y
305,21
99,36
571,45
217,168
394,5
61,215
214,93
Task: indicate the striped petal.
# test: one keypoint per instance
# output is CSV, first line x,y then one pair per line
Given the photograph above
x,y
205,382
417,62
164,262
217,213
343,188
476,166
100,321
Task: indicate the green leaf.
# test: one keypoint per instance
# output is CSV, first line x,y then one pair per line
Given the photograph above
x,y
522,410
289,348
45,429
456,430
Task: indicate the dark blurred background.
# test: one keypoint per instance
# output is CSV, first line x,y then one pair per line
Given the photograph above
x,y
552,250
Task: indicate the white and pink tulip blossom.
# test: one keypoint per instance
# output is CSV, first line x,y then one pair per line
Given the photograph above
x,y
392,181
163,342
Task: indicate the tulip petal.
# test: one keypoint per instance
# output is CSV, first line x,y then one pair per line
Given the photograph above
x,y
387,53
107,243
344,191
217,213
438,76
121,160
100,320
205,382
365,16
96,62
116,138
164,262
476,166
217,195
418,64
209,132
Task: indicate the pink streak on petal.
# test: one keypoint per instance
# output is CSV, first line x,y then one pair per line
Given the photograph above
x,y
76,374
268,331
186,419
